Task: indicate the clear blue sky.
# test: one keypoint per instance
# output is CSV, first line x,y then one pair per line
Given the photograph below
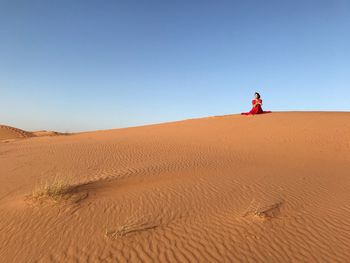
x,y
73,65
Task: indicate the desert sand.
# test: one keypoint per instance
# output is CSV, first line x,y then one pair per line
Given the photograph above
x,y
9,133
267,188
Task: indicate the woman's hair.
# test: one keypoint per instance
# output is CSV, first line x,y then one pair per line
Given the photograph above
x,y
256,93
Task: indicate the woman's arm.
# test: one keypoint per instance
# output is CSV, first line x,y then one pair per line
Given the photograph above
x,y
257,102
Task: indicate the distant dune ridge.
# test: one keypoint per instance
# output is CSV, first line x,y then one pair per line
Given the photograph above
x,y
269,188
7,132
10,133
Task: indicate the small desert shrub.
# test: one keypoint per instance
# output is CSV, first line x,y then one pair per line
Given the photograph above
x,y
57,189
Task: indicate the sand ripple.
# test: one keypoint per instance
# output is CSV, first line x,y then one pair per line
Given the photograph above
x,y
272,188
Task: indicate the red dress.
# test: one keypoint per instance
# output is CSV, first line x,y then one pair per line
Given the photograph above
x,y
257,109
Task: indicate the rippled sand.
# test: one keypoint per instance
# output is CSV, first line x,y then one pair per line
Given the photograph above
x,y
269,188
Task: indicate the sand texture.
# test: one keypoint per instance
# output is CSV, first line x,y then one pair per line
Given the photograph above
x,y
10,133
268,188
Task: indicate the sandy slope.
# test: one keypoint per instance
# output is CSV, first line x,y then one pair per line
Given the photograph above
x,y
9,133
269,188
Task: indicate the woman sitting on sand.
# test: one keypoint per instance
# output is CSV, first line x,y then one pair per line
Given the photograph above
x,y
257,109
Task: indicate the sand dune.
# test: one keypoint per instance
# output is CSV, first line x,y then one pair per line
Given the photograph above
x,y
47,133
7,132
269,188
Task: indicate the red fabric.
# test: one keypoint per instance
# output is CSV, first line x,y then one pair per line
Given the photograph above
x,y
257,109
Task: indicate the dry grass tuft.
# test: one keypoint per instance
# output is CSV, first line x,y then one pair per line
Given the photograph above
x,y
57,189
269,211
128,228
264,212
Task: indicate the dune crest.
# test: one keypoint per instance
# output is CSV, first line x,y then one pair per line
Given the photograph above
x,y
7,132
268,188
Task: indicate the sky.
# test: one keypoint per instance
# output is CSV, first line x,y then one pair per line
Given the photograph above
x,y
71,65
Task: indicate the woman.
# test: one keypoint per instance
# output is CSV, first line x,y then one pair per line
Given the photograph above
x,y
257,109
